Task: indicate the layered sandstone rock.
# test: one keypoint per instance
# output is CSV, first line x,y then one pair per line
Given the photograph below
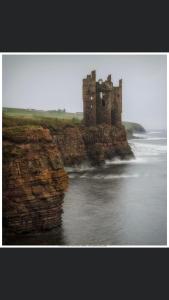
x,y
70,143
93,144
34,180
106,142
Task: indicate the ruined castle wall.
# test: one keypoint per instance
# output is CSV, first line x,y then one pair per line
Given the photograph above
x,y
103,102
117,105
89,99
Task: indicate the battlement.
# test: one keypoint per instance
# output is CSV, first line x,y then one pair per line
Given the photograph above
x,y
102,102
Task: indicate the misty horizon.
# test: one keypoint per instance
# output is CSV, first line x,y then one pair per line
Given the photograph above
x,y
52,82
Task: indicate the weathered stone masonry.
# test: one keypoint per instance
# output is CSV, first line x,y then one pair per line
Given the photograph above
x,y
102,102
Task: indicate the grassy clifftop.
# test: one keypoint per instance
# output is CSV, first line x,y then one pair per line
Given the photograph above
x,y
135,127
52,119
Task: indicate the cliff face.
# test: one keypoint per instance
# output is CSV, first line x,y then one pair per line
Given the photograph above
x,y
106,142
95,144
34,180
70,143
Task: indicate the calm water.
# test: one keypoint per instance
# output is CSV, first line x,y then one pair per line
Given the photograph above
x,y
124,203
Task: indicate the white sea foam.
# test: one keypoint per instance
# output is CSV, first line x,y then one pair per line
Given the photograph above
x,y
143,149
150,139
79,168
125,162
140,135
71,176
156,138
84,176
113,176
154,132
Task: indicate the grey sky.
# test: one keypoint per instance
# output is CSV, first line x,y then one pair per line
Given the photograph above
x,y
55,81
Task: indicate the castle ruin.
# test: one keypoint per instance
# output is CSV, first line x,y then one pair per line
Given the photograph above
x,y
102,102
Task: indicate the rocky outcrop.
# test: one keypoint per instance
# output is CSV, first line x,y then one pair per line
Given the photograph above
x,y
93,144
70,143
106,142
34,180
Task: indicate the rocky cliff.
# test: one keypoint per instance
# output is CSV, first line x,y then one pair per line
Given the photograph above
x,y
93,144
34,180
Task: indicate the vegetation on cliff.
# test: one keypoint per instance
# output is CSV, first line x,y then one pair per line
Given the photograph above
x,y
132,128
53,119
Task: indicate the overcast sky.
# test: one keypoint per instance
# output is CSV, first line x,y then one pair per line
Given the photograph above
x,y
55,81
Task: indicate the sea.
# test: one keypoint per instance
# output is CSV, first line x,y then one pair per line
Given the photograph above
x,y
123,203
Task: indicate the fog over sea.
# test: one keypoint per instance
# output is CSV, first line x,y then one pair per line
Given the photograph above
x,y
122,203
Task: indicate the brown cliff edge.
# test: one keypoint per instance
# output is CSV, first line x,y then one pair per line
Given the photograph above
x,y
34,180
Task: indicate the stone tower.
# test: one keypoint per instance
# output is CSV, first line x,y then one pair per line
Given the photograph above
x,y
102,102
89,99
116,110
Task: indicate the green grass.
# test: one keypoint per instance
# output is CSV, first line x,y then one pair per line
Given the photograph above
x,y
134,127
52,119
38,114
51,123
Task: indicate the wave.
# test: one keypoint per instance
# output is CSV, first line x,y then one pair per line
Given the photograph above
x,y
147,137
109,176
71,176
106,177
150,139
140,135
112,176
143,149
156,138
154,132
125,162
79,169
